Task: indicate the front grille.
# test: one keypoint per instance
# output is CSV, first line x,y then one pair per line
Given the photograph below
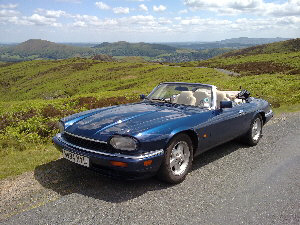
x,y
84,143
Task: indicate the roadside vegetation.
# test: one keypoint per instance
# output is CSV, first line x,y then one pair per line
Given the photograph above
x,y
35,94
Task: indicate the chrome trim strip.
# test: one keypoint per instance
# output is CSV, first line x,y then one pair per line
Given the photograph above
x,y
141,157
269,113
89,139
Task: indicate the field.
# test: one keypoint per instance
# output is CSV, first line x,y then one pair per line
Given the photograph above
x,y
35,94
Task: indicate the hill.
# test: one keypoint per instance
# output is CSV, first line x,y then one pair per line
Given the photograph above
x,y
157,52
251,41
280,57
288,46
41,49
233,43
123,48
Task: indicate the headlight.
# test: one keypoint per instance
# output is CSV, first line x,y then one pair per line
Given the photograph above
x,y
123,143
61,126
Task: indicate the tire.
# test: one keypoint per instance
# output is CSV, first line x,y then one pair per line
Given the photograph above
x,y
177,160
254,133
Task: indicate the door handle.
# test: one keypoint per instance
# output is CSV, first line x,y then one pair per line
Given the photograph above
x,y
241,112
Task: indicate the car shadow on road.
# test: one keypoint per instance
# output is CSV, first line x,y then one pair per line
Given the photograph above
x,y
66,178
217,153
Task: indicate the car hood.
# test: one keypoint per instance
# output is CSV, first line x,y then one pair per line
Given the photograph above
x,y
128,119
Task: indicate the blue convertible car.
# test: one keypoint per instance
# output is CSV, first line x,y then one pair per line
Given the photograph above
x,y
163,133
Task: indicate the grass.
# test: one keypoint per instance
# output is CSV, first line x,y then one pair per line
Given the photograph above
x,y
287,109
14,162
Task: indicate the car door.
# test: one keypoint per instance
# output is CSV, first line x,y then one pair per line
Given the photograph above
x,y
227,124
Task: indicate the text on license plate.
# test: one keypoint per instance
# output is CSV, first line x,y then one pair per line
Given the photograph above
x,y
79,159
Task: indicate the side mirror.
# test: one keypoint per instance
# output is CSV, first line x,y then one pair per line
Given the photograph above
x,y
225,104
142,96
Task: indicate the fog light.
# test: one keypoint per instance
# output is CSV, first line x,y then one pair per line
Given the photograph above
x,y
117,163
148,163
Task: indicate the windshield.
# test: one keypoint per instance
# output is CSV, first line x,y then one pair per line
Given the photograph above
x,y
184,94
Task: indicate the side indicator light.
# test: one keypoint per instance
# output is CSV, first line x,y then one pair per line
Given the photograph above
x,y
148,163
117,163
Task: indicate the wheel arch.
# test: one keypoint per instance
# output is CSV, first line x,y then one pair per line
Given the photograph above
x,y
261,114
192,135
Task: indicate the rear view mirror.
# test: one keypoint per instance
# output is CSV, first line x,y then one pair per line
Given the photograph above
x,y
225,104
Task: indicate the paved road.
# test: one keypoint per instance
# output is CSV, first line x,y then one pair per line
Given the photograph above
x,y
231,184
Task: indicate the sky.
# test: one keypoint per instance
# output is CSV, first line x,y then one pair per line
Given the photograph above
x,y
147,20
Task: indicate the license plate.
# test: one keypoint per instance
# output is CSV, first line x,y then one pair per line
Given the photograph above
x,y
79,159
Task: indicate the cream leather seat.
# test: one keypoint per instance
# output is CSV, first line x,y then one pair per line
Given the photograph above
x,y
186,98
200,95
221,96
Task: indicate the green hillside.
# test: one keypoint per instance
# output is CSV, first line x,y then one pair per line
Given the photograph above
x,y
276,58
288,46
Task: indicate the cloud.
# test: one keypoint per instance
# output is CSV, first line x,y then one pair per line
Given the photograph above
x,y
137,23
204,22
121,10
269,18
51,13
183,11
241,25
143,7
225,6
140,19
255,7
70,1
8,6
8,13
164,21
102,5
92,21
79,24
37,19
159,8
289,8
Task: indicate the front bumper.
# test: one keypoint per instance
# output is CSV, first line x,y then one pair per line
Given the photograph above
x,y
101,161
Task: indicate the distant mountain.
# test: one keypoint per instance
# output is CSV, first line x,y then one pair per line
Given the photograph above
x,y
252,41
235,43
123,48
36,49
79,44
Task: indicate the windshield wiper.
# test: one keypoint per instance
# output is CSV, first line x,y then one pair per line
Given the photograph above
x,y
158,99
